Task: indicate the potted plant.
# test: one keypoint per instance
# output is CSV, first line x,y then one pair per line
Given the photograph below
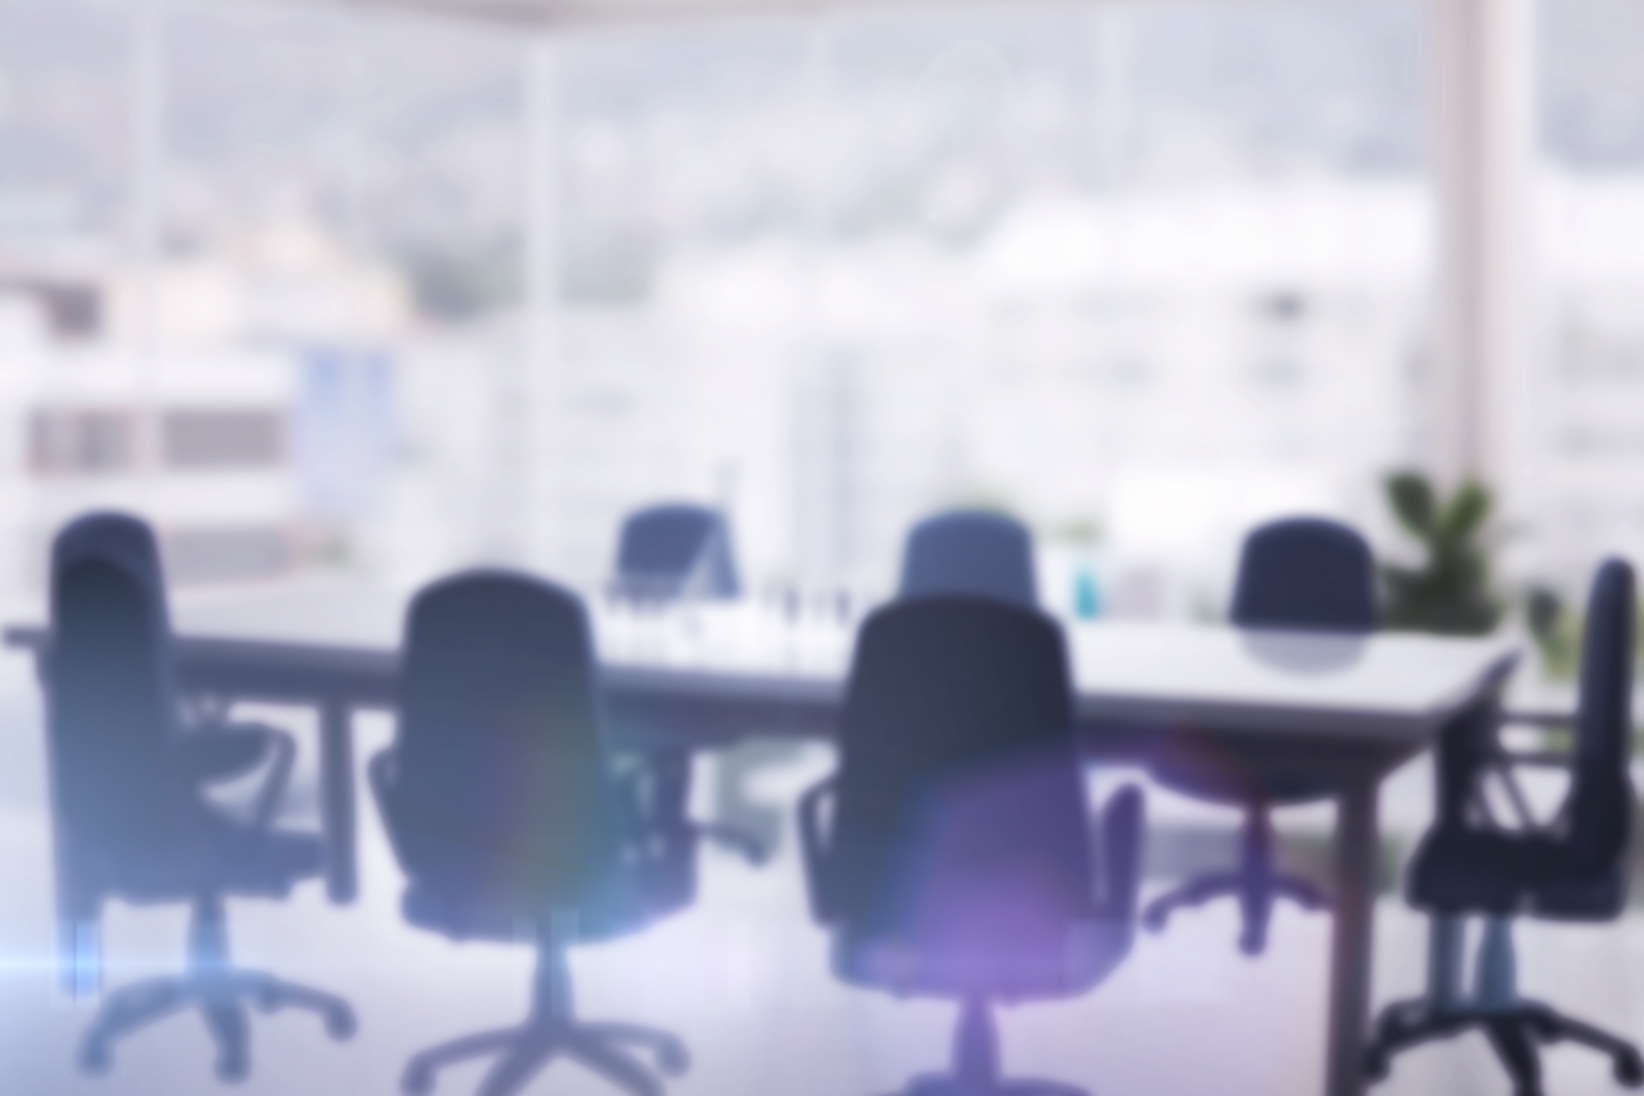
x,y
1449,593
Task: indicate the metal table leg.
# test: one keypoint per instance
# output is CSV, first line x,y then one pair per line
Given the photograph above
x,y
337,798
1351,938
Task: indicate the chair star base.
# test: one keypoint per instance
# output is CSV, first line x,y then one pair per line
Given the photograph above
x,y
1255,894
552,1032
943,1085
1515,1031
976,1063
523,1051
1254,883
219,991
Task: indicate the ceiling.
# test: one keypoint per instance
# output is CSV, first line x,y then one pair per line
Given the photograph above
x,y
571,13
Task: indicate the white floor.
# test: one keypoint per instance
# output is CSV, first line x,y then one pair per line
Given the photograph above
x,y
742,977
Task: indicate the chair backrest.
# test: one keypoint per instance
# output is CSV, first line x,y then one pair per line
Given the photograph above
x,y
960,793
500,776
1600,798
675,549
1309,574
970,552
110,693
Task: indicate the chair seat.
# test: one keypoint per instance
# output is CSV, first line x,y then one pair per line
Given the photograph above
x,y
1481,871
221,855
1060,963
466,908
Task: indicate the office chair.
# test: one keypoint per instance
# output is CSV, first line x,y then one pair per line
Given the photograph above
x,y
675,550
1300,574
505,815
957,859
672,552
970,552
1572,868
129,817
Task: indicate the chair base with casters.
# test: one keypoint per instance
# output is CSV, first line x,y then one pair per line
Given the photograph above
x,y
218,990
1516,1026
1255,883
552,1031
976,1064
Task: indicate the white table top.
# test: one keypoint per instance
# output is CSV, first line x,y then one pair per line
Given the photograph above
x,y
1389,684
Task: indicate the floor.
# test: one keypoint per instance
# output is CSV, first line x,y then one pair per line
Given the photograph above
x,y
742,977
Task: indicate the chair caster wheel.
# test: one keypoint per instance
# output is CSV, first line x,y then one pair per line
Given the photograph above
x,y
233,1067
1629,1069
340,1023
417,1082
673,1059
95,1059
1375,1066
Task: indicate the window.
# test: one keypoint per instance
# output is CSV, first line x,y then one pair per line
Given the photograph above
x,y
213,439
82,441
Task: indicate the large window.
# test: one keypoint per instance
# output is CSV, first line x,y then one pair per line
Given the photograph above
x,y
1149,271
1142,274
1582,436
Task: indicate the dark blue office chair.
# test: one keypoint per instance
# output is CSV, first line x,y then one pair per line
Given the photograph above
x,y
129,817
970,552
1570,869
957,861
675,550
506,816
1301,574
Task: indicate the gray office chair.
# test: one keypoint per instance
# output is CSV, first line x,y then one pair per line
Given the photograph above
x,y
510,822
1300,574
675,551
1571,868
957,860
970,552
128,815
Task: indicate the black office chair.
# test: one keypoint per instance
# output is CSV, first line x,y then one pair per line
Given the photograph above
x,y
1570,869
506,817
129,817
675,550
1300,574
957,861
970,552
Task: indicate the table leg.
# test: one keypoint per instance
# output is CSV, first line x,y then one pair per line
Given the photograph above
x,y
1357,853
337,798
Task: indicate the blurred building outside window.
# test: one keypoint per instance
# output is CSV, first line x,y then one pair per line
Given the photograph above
x,y
1142,274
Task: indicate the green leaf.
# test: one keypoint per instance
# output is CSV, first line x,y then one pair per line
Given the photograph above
x,y
1411,496
1466,513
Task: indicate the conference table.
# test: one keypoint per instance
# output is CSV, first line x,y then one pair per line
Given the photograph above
x,y
1348,709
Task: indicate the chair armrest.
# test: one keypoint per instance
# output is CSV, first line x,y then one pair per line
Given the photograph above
x,y
1504,762
1539,718
1123,823
1494,759
224,751
656,787
218,754
814,852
